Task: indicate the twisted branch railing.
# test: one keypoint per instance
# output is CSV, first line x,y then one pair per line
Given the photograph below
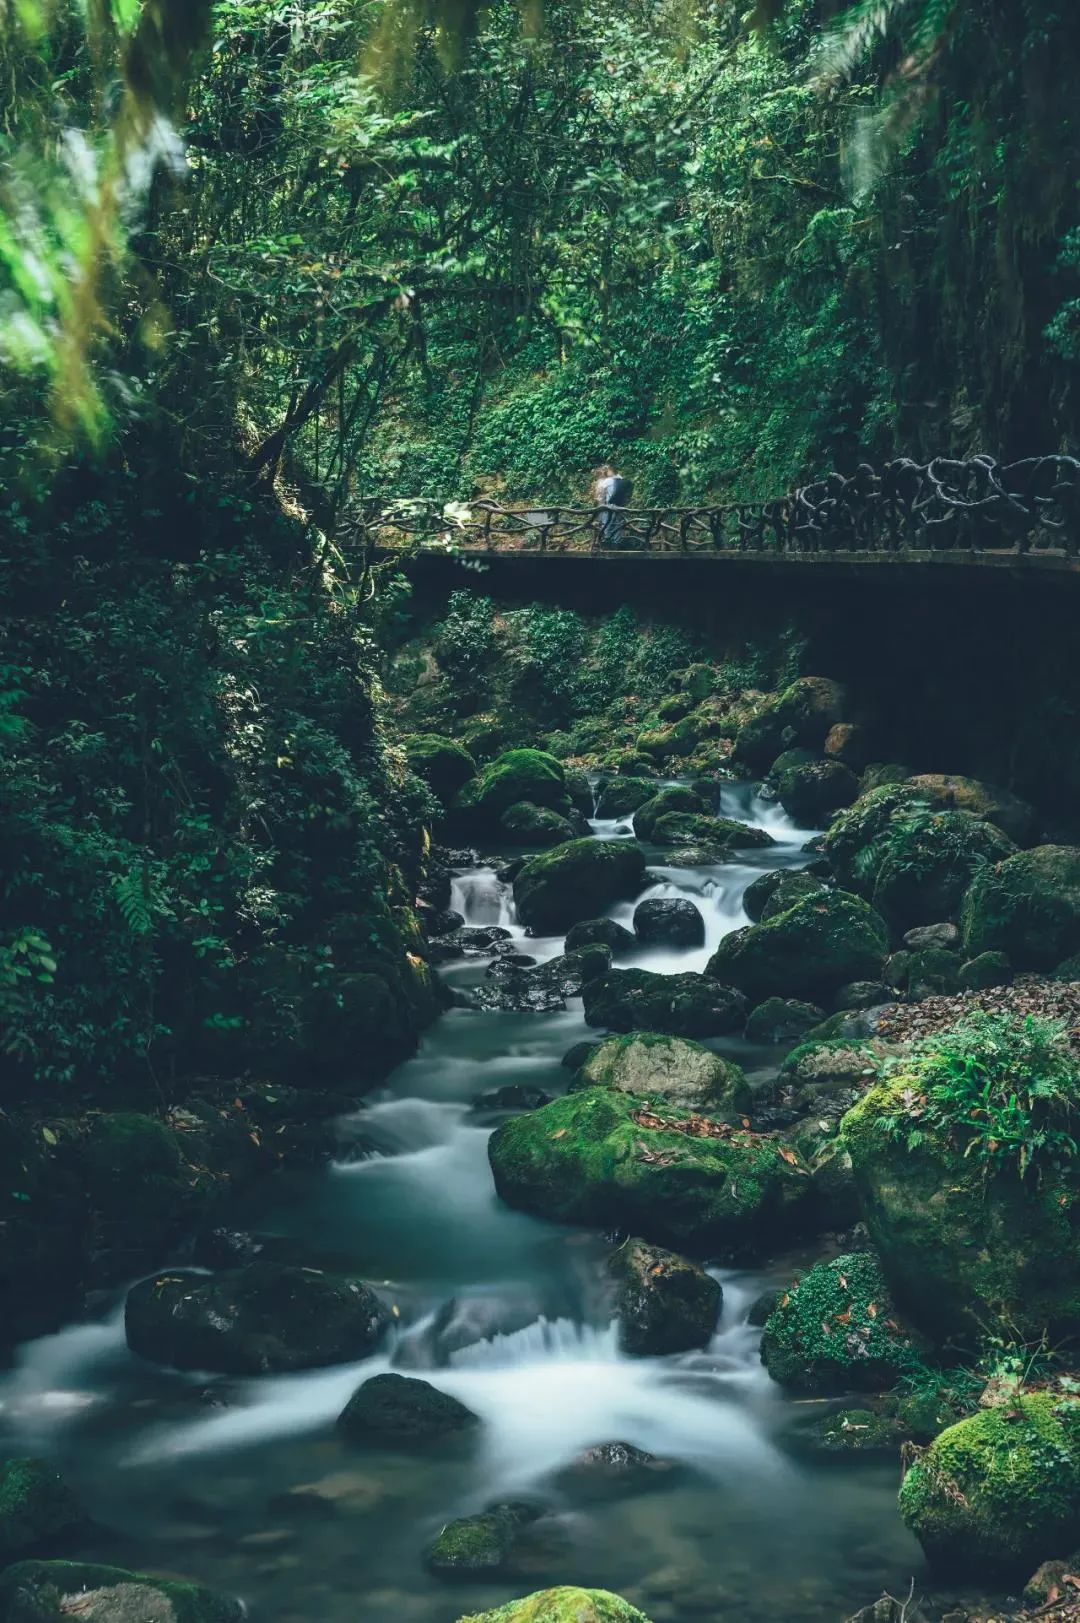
x,y
970,506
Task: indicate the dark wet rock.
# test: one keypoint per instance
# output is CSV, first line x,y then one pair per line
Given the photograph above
x,y
575,1056
512,1096
401,1408
782,1019
618,797
933,935
992,969
696,856
235,1248
546,987
589,1158
55,1591
507,872
536,825
441,922
762,1306
685,1005
260,1319
816,946
483,1543
669,922
650,1064
577,881
603,933
715,833
608,1469
837,1330
36,1507
776,891
664,1303
812,791
474,941
500,967
861,995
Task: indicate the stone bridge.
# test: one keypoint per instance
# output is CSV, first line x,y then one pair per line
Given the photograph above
x,y
1021,515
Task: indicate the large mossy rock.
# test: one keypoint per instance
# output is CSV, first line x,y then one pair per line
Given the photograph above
x,y
565,1605
1027,907
782,1019
55,1591
810,951
965,1249
775,892
36,1506
594,1158
927,862
518,775
811,791
836,1331
483,1543
618,797
677,828
664,1303
853,845
998,1493
686,1005
444,765
663,803
256,1320
802,716
528,824
576,881
649,1064
402,1409
1013,816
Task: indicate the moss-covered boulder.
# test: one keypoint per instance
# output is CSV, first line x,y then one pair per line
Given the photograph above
x,y
813,790
54,1591
986,970
1013,816
579,790
1027,907
831,1064
808,952
575,881
964,1247
483,1543
927,860
260,1319
782,1019
852,843
664,1303
801,716
686,1005
933,972
608,1160
837,1331
36,1506
663,802
402,1409
649,1064
517,775
444,765
527,824
618,797
720,833
775,892
566,1605
999,1492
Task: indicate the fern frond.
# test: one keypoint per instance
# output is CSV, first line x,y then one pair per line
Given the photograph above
x,y
135,902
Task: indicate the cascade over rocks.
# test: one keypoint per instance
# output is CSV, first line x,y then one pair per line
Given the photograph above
x,y
686,1005
682,1073
809,951
665,1303
595,1158
263,1319
669,922
575,881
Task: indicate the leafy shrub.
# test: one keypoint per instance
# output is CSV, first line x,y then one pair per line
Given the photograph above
x,y
465,639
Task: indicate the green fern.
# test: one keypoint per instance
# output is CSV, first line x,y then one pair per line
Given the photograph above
x,y
134,897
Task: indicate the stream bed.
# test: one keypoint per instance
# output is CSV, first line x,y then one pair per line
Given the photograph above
x,y
244,1484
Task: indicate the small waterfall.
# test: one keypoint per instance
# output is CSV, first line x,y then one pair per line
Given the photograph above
x,y
481,898
545,1341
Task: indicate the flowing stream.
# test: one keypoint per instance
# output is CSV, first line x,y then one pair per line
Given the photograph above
x,y
244,1483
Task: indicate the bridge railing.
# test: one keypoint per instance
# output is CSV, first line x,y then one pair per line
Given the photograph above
x,y
969,506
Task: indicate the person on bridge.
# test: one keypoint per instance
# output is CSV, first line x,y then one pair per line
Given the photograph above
x,y
611,491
